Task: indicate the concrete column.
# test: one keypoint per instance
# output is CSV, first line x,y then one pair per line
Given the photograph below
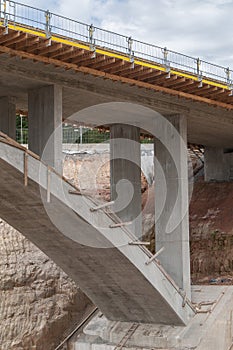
x,y
45,124
125,167
218,165
8,116
171,200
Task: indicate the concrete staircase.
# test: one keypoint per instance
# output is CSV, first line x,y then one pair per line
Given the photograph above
x,y
89,245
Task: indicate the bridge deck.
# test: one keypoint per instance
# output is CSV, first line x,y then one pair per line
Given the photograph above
x,y
28,42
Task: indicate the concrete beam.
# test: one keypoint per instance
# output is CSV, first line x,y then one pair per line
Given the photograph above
x,y
125,168
218,165
171,200
8,116
45,124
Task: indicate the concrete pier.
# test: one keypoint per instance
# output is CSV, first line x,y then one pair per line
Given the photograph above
x,y
218,165
8,116
125,168
171,201
45,124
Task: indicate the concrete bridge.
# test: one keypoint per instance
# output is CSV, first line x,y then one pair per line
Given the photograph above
x,y
54,73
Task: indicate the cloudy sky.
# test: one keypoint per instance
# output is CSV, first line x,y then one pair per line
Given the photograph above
x,y
201,28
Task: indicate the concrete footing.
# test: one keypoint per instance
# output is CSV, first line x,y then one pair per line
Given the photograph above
x,y
211,328
45,124
8,116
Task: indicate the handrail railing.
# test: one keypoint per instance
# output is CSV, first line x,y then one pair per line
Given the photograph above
x,y
53,24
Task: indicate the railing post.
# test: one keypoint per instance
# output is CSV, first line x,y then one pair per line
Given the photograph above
x,y
14,14
48,185
5,21
130,50
48,25
227,71
166,61
199,74
25,169
91,30
228,80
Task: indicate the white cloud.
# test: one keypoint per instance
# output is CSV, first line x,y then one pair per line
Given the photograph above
x,y
194,27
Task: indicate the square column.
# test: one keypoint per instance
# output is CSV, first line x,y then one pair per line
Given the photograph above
x,y
125,169
45,124
8,116
218,166
171,200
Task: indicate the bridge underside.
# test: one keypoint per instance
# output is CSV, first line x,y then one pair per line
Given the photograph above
x,y
207,125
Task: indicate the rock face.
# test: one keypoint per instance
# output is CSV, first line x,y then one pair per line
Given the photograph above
x,y
39,304
211,231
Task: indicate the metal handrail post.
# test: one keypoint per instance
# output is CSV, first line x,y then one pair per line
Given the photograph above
x,y
229,81
48,25
91,31
5,22
199,73
165,59
130,49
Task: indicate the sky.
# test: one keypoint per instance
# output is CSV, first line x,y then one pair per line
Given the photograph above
x,y
199,28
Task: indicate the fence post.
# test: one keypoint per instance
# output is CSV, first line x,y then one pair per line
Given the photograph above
x,y
48,26
130,50
48,185
91,30
25,169
5,22
227,71
166,62
228,80
199,74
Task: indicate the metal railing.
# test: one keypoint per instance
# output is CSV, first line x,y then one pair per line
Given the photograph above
x,y
53,24
70,135
74,135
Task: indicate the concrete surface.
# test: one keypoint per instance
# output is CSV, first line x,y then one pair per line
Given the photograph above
x,y
7,113
209,330
125,174
44,124
206,125
112,273
171,200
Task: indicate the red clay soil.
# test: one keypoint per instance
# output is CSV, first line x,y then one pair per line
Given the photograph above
x,y
211,232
